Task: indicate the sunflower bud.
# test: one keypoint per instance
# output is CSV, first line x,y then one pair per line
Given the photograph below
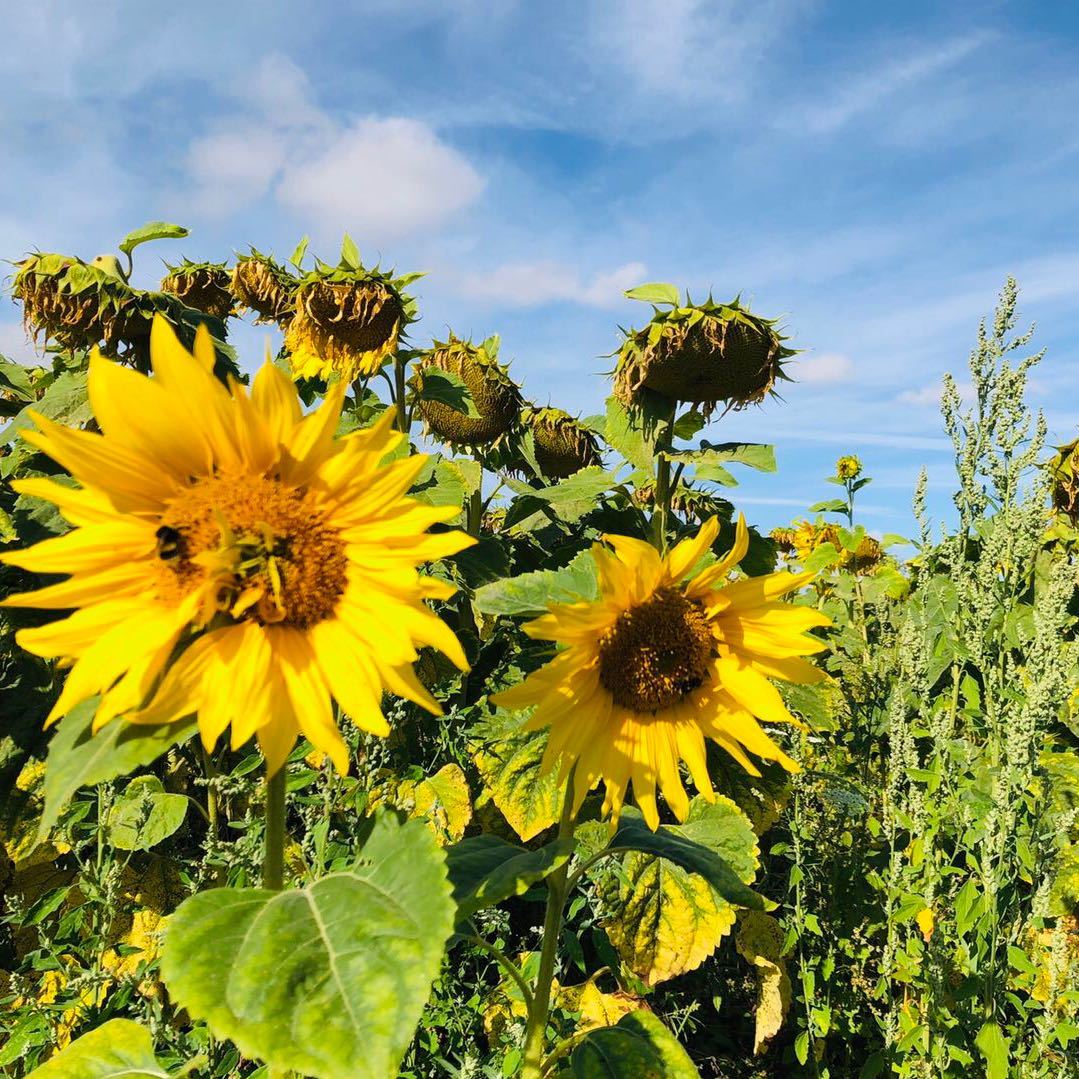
x,y
494,394
262,285
848,467
563,444
205,286
702,353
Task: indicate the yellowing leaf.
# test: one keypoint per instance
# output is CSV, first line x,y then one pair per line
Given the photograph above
x,y
926,922
598,1009
760,942
663,920
508,761
443,800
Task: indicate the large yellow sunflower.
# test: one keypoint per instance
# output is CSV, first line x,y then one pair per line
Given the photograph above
x,y
661,661
232,558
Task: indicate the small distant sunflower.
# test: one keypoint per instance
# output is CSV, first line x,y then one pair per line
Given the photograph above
x,y
232,558
664,659
848,467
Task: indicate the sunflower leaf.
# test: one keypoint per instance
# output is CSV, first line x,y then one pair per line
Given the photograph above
x,y
78,758
118,1047
328,980
155,230
484,870
655,292
508,760
531,593
639,1045
447,389
144,815
667,914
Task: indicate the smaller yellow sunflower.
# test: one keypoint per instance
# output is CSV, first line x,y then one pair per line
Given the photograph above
x,y
669,655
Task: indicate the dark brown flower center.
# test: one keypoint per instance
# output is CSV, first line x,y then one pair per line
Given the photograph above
x,y
656,653
267,551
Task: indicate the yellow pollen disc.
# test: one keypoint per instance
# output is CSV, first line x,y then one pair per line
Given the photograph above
x,y
269,549
656,653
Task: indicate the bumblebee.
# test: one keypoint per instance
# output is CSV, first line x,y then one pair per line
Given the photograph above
x,y
169,541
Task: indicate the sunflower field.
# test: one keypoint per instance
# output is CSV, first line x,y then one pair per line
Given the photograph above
x,y
364,719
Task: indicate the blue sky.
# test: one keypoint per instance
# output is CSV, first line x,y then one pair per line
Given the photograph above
x,y
868,173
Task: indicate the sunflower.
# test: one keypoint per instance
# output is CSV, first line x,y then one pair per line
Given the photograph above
x,y
668,656
232,558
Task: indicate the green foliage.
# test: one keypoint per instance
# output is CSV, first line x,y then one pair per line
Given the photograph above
x,y
117,1048
638,1047
329,979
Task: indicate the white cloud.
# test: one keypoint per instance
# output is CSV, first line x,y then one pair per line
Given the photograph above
x,y
828,367
931,393
532,284
381,177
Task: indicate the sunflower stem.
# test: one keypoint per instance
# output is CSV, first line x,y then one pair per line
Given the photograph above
x,y
658,524
273,856
557,890
399,394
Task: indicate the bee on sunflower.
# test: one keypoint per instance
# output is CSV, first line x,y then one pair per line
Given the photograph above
x,y
232,558
668,656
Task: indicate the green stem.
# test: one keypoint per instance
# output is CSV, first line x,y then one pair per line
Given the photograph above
x,y
273,858
211,791
661,512
399,395
532,1062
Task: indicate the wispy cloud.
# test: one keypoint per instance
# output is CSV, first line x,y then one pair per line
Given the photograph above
x,y
532,284
828,367
864,93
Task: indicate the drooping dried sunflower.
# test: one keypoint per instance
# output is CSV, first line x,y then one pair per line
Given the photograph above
x,y
204,286
78,305
707,353
690,503
1064,472
348,319
496,397
263,285
563,444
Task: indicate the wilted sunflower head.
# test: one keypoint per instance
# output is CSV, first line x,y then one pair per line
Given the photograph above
x,y
79,305
706,353
563,444
348,319
264,286
204,286
1064,474
495,395
690,503
232,558
668,656
804,537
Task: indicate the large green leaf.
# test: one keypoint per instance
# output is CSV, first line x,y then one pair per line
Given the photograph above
x,y
532,593
154,230
144,815
485,869
77,758
639,1047
118,1049
633,432
328,980
508,760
